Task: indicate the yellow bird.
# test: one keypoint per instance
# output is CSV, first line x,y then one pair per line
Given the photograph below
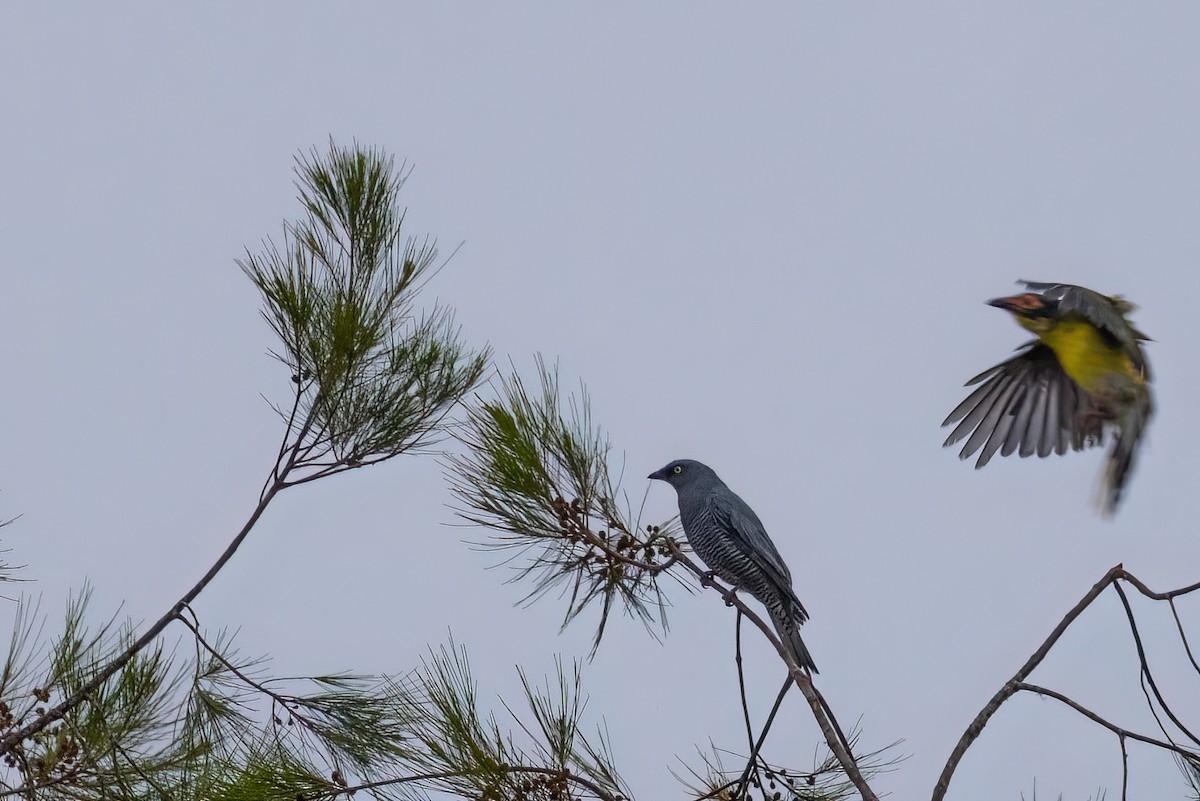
x,y
1084,373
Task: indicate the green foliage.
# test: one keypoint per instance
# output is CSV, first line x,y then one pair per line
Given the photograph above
x,y
209,726
270,775
106,713
469,754
213,726
121,742
536,474
116,739
373,378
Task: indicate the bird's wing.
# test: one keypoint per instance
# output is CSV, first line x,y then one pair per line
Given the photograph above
x,y
731,511
1104,312
1027,404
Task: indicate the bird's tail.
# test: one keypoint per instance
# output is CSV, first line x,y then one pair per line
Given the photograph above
x,y
789,632
1124,452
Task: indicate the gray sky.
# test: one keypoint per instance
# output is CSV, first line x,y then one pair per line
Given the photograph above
x,y
761,235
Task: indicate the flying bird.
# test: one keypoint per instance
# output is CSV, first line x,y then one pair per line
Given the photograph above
x,y
724,532
1084,374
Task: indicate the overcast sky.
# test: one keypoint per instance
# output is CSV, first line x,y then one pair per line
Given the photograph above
x,y
762,235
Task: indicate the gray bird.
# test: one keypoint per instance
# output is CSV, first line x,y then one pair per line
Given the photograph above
x,y
729,537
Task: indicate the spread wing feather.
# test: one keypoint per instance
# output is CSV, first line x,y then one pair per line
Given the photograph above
x,y
1025,405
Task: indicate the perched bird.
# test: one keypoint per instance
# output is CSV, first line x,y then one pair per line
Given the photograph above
x,y
1084,373
729,537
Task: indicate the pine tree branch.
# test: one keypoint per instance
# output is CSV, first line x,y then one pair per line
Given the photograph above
x,y
550,774
371,381
9,741
285,702
14,738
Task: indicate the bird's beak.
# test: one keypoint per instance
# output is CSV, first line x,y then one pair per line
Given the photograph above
x,y
659,474
1008,304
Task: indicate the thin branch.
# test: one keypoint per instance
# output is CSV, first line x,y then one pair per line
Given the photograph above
x,y
1092,716
834,722
1124,768
283,701
1010,687
334,792
550,773
1145,666
119,751
1182,636
741,674
296,451
1158,721
799,675
756,746
577,527
16,737
287,432
1149,593
1016,682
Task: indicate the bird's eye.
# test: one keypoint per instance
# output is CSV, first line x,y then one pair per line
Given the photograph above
x,y
677,469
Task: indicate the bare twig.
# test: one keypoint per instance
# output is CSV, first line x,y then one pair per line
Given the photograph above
x,y
1016,683
1004,693
1092,716
1137,584
745,704
1145,666
1124,768
819,709
756,746
1182,636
